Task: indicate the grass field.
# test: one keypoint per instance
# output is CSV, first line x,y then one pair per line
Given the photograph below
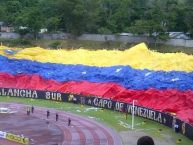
x,y
113,119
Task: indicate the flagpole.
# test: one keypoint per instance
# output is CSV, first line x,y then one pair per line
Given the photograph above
x,y
133,113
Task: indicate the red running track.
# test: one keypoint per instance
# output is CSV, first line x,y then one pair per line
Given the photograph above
x,y
82,131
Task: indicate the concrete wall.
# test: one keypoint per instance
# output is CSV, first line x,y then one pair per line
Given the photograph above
x,y
9,35
180,42
60,36
99,37
135,39
189,43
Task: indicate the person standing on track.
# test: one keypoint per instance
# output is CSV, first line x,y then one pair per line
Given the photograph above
x,y
69,121
57,116
48,114
28,110
32,109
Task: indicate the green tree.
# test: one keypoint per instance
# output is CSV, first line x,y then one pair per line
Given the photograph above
x,y
72,16
115,15
32,19
12,9
93,17
100,16
52,24
49,11
151,21
188,16
2,13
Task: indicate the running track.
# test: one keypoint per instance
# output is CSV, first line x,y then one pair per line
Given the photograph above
x,y
83,131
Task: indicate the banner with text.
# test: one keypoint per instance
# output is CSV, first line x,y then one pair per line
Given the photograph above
x,y
160,117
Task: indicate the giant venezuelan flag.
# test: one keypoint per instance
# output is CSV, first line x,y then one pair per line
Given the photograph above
x,y
158,81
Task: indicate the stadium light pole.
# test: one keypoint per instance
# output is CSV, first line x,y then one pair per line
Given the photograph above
x,y
133,113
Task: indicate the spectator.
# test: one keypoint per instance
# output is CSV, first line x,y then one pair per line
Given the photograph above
x,y
145,140
176,128
74,100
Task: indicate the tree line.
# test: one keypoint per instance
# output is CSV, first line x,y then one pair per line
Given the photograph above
x,y
152,17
